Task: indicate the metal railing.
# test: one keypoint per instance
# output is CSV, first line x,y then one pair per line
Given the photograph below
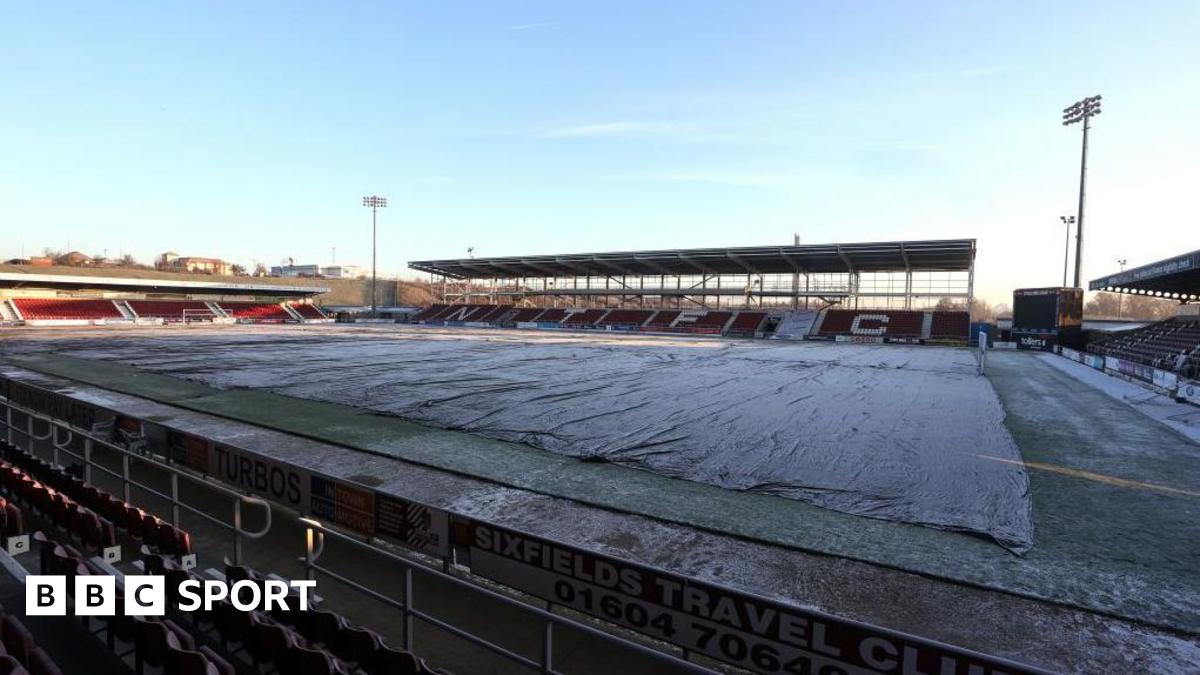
x,y
128,459
315,544
315,533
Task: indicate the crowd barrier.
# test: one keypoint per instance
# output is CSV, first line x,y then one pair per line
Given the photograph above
x,y
1164,380
697,617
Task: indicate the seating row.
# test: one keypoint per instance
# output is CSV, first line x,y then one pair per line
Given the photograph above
x,y
19,652
79,508
79,309
314,642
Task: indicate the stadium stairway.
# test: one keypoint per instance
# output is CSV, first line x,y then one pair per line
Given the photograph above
x,y
125,310
796,324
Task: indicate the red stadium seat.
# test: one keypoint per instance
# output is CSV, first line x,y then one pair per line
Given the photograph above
x,y
747,323
11,666
526,314
661,319
41,664
51,309
18,641
950,326
429,312
873,322
257,311
626,318
584,319
170,310
552,316
1171,345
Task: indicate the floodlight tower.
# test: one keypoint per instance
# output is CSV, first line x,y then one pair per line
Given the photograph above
x,y
1121,296
1081,111
1068,221
375,203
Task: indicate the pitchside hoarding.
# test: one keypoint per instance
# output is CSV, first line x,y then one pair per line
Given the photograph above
x,y
737,628
336,501
755,633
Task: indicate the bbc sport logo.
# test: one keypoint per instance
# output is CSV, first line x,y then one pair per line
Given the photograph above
x,y
145,595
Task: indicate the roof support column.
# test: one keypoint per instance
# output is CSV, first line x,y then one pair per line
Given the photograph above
x,y
971,286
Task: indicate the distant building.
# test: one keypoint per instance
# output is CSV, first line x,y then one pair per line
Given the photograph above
x,y
296,271
74,259
173,262
330,272
342,272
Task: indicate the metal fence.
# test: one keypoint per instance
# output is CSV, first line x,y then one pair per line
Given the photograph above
x,y
125,475
315,535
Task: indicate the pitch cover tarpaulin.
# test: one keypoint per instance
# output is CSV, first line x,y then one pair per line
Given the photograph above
x,y
901,433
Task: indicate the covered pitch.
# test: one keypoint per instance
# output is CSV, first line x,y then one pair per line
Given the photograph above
x,y
901,433
1109,581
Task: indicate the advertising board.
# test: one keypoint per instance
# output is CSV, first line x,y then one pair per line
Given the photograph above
x,y
737,628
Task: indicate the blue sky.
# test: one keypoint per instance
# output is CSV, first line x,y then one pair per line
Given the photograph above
x,y
251,130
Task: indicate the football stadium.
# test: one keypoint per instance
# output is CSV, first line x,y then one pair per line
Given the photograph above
x,y
600,338
791,459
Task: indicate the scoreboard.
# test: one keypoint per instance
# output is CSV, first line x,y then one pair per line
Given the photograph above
x,y
1044,317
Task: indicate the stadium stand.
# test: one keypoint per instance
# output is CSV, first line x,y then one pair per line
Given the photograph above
x,y
20,654
950,326
1172,345
310,312
491,313
461,312
747,323
475,312
889,322
661,320
552,316
444,312
709,323
584,319
429,312
93,516
626,318
169,310
59,309
225,641
527,314
256,311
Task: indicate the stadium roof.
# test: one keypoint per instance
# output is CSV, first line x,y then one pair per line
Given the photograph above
x,y
938,255
137,285
1177,277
